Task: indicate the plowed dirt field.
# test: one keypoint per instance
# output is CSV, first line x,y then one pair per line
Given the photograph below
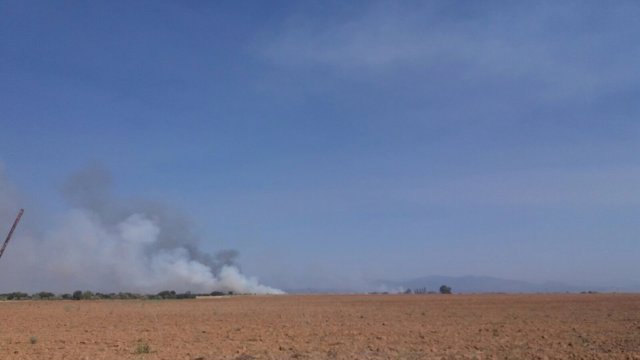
x,y
595,326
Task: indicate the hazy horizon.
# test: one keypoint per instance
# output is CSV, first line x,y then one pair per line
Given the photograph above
x,y
318,144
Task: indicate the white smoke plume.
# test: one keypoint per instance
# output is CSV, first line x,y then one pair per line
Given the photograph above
x,y
102,244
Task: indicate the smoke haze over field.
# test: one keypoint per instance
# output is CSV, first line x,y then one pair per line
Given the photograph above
x,y
105,244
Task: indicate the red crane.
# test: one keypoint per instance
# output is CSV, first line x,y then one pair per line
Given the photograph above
x,y
13,228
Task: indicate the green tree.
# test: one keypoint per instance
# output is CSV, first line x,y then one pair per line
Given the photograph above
x,y
167,294
45,295
18,295
444,289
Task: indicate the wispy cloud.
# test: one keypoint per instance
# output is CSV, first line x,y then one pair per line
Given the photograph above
x,y
559,188
565,50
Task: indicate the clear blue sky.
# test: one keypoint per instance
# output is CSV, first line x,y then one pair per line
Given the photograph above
x,y
337,142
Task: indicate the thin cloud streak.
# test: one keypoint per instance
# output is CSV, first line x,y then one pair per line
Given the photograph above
x,y
559,48
554,188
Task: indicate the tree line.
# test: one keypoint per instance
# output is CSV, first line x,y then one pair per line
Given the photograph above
x,y
90,295
444,289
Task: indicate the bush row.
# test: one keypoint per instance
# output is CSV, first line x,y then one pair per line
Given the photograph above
x,y
90,295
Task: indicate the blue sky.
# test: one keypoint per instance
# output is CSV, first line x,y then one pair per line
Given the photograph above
x,y
333,143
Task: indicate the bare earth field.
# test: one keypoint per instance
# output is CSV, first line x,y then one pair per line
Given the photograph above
x,y
326,327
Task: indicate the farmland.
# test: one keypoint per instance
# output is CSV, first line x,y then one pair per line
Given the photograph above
x,y
588,326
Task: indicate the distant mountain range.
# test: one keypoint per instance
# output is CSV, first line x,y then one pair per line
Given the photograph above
x,y
470,284
478,284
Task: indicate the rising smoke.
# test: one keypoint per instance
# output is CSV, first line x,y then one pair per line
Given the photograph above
x,y
105,244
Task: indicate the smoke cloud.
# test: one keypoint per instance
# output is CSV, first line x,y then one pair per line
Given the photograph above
x,y
105,244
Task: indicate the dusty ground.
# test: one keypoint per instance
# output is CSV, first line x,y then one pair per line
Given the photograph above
x,y
326,327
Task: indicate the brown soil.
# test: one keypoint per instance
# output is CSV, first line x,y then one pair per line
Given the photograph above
x,y
326,327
